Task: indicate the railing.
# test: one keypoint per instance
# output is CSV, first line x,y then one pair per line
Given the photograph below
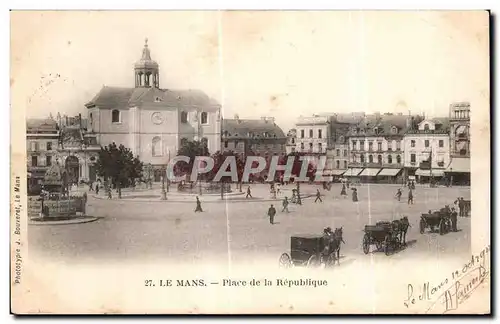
x,y
375,165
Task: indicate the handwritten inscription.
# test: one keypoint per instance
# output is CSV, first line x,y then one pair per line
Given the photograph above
x,y
448,294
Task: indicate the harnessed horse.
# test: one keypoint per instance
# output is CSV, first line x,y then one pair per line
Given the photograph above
x,y
332,242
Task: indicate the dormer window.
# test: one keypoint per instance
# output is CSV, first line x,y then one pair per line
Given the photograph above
x,y
158,99
361,131
375,130
394,129
426,127
354,131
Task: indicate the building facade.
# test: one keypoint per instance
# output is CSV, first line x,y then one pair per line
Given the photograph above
x,y
458,171
42,139
427,149
376,148
260,137
153,122
291,141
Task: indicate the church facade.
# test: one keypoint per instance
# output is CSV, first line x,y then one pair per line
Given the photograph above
x,y
153,122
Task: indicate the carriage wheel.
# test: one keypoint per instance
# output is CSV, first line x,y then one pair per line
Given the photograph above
x,y
387,242
366,244
442,227
285,261
313,261
422,226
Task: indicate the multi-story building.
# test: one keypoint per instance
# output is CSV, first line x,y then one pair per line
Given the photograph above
x,y
458,171
78,150
291,138
427,149
261,137
376,147
313,134
338,147
42,138
151,121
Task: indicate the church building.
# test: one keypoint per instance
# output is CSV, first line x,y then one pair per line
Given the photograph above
x,y
151,121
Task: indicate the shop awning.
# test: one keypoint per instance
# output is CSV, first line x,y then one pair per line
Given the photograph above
x,y
369,172
389,172
459,164
335,172
427,173
352,172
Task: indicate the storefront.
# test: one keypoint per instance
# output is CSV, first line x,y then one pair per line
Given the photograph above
x,y
369,175
458,172
389,175
428,175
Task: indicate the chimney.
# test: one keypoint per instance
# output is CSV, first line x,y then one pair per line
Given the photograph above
x,y
80,119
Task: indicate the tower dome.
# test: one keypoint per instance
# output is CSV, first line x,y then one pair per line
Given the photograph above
x,y
146,70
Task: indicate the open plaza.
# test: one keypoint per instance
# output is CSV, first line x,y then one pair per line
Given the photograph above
x,y
140,226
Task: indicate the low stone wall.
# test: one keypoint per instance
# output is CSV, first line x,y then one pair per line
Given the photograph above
x,y
56,208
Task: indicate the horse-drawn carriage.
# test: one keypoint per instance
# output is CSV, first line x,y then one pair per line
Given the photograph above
x,y
439,219
386,235
313,250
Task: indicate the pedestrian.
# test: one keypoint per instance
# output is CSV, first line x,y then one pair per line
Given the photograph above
x,y
318,196
198,205
271,212
91,184
343,192
453,220
354,194
285,205
249,193
294,196
110,196
457,206
299,200
398,194
97,188
461,205
278,188
410,196
413,185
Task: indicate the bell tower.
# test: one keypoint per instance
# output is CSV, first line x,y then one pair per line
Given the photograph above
x,y
146,70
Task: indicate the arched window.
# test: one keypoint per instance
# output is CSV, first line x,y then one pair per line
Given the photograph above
x,y
379,158
345,164
184,117
156,146
389,159
398,159
204,118
183,141
362,158
293,140
115,116
370,158
301,146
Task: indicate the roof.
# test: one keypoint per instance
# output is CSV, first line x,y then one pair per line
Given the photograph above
x,y
384,124
115,97
44,124
257,127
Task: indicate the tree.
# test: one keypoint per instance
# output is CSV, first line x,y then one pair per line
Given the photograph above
x,y
118,164
191,149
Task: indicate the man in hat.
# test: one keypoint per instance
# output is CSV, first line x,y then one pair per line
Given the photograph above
x,y
271,212
453,219
410,196
318,196
398,194
249,193
285,205
198,205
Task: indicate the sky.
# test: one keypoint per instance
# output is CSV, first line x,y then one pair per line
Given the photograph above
x,y
263,63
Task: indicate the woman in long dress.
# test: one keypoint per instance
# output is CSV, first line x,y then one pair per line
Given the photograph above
x,y
343,192
354,194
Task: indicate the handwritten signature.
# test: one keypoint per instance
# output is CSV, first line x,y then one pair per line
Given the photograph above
x,y
463,281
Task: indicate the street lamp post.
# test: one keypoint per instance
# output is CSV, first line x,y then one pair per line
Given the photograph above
x,y
163,192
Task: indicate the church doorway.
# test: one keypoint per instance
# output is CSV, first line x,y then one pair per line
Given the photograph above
x,y
73,169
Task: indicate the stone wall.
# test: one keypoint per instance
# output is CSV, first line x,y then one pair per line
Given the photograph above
x,y
57,208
